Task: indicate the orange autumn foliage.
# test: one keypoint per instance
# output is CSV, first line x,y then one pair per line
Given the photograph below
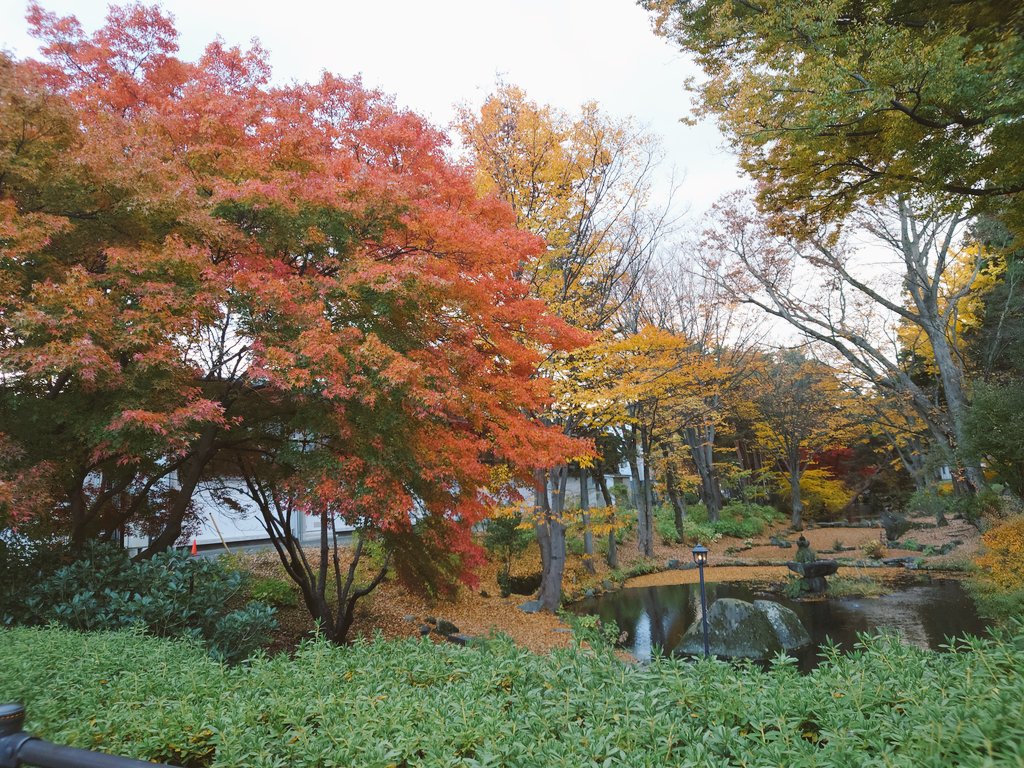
x,y
203,271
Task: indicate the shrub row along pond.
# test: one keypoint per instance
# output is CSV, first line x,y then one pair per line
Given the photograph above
x,y
414,703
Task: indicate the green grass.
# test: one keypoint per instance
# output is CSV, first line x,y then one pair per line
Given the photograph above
x,y
411,703
856,586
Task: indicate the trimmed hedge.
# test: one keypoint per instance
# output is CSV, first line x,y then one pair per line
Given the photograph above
x,y
412,703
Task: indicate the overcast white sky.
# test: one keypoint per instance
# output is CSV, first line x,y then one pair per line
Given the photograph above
x,y
433,55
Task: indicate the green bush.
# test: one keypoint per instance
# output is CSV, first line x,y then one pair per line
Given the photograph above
x,y
505,539
24,562
929,501
703,533
169,595
665,525
280,593
639,568
741,520
746,520
854,586
944,505
996,603
418,704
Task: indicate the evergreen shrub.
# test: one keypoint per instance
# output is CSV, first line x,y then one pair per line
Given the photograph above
x,y
172,594
415,703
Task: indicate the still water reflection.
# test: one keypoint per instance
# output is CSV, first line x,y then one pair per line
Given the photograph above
x,y
924,614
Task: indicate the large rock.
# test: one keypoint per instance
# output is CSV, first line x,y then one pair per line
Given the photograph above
x,y
736,630
530,606
788,628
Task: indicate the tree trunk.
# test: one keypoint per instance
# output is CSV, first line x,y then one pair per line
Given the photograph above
x,y
588,537
796,504
551,538
645,532
935,322
951,377
613,553
702,444
179,506
676,497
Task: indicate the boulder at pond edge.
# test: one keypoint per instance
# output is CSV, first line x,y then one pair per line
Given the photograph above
x,y
741,630
787,625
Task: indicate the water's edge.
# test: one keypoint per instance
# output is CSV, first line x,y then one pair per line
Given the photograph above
x,y
925,615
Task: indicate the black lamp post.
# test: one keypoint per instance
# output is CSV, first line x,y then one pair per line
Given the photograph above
x,y
700,557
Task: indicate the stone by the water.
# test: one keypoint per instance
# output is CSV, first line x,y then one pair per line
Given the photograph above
x,y
736,630
787,625
814,569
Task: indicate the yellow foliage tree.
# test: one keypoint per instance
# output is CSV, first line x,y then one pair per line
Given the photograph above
x,y
645,384
582,182
805,408
1003,557
970,274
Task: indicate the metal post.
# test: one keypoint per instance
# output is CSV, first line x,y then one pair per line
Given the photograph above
x,y
704,609
18,748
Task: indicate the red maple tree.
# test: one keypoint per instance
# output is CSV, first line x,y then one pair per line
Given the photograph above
x,y
206,274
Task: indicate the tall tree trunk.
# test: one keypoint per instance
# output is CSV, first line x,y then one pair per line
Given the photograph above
x,y
701,442
645,532
676,497
588,536
613,552
181,500
935,321
796,504
551,538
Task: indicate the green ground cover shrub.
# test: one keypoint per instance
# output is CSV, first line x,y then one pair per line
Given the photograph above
x,y
998,604
746,520
170,595
932,501
665,526
741,520
280,593
413,703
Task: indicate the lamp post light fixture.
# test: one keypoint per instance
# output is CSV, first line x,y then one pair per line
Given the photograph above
x,y
700,557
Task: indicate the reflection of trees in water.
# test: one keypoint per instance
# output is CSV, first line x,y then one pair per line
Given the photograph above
x,y
925,615
656,611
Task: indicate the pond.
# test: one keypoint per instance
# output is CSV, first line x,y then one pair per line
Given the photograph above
x,y
924,615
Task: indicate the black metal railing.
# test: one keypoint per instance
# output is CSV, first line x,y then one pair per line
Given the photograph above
x,y
18,748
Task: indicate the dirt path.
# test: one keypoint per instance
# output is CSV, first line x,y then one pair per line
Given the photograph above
x,y
758,574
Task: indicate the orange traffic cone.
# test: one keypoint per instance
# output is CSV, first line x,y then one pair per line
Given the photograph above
x,y
194,547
